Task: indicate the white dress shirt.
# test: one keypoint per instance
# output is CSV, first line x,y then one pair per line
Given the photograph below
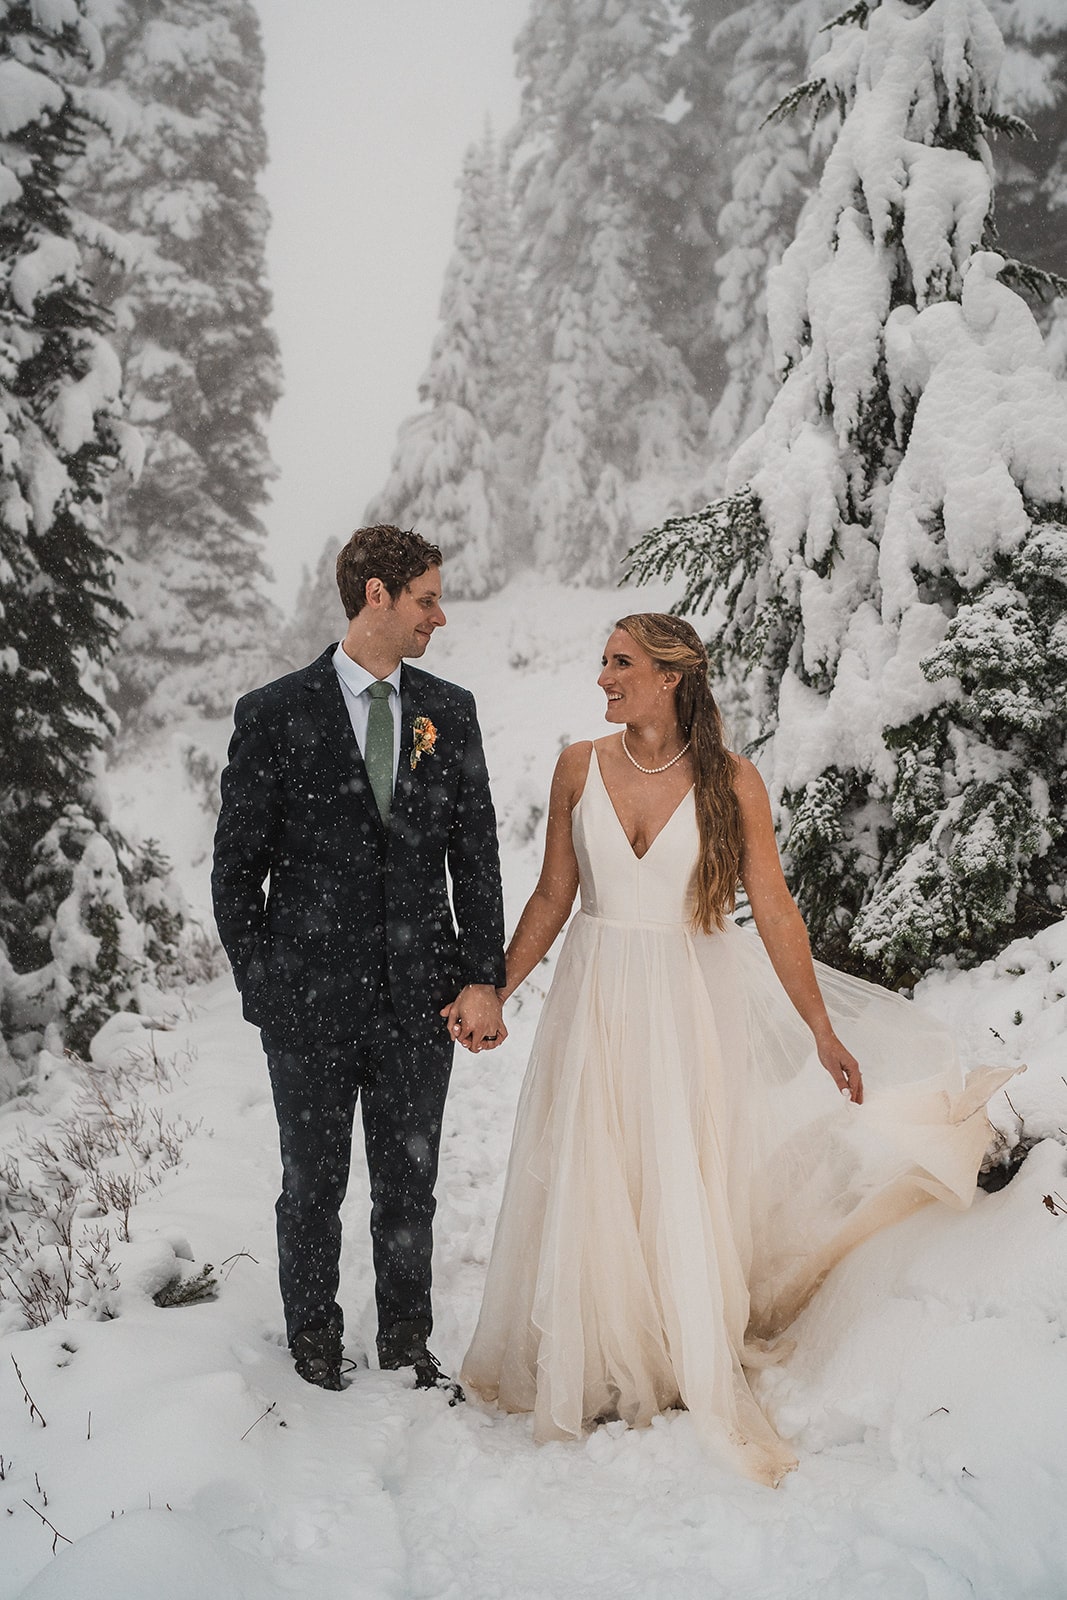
x,y
355,681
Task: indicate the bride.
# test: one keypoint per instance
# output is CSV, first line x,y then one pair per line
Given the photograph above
x,y
695,1145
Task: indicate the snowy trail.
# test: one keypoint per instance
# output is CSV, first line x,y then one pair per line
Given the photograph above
x,y
935,1349
926,1393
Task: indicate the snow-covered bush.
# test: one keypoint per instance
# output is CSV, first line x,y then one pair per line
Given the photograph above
x,y
890,561
113,920
97,946
70,1187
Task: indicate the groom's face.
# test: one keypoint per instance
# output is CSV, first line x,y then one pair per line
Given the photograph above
x,y
415,613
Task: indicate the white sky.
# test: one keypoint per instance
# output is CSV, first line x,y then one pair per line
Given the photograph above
x,y
370,105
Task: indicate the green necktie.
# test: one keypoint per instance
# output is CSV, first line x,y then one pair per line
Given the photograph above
x,y
378,756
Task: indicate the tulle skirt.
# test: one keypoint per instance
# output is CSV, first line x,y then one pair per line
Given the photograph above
x,y
684,1174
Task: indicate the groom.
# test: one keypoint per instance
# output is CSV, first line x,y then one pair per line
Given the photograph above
x,y
352,785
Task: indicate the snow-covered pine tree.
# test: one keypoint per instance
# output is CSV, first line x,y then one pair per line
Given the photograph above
x,y
97,946
772,175
199,356
621,413
683,244
317,615
457,468
890,561
61,437
510,403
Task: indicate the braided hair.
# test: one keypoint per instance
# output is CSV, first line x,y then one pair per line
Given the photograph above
x,y
675,646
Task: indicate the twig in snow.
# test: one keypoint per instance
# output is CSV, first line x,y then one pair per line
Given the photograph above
x,y
231,1261
47,1524
34,1409
266,1413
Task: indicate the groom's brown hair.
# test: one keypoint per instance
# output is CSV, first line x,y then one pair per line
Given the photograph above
x,y
382,551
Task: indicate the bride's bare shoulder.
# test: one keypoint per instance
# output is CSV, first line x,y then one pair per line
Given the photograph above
x,y
745,774
572,769
750,789
574,759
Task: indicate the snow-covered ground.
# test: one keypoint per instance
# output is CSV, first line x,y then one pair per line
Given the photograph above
x,y
179,1454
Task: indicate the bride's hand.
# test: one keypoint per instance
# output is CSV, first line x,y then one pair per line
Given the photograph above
x,y
474,1018
842,1066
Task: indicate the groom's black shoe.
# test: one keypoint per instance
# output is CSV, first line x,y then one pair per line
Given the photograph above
x,y
317,1354
428,1375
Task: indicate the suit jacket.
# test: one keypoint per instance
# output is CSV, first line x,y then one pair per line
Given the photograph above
x,y
354,905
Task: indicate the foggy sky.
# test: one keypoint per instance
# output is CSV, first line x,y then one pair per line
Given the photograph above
x,y
369,109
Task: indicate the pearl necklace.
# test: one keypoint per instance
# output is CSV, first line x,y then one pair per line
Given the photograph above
x,y
651,771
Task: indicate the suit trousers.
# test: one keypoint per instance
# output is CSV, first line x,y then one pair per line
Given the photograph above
x,y
400,1081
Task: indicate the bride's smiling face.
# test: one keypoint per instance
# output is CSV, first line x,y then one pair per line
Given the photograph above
x,y
637,690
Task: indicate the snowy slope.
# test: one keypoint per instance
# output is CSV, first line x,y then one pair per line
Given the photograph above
x,y
182,1457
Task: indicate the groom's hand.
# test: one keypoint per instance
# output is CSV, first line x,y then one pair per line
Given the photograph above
x,y
475,1019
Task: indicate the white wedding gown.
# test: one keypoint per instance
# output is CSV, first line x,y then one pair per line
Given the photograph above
x,y
684,1172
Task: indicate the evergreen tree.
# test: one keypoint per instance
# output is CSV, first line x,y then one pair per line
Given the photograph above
x,y
684,208
455,470
890,562
510,400
200,359
771,177
61,437
593,153
317,616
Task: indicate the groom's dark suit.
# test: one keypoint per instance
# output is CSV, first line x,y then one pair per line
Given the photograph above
x,y
347,960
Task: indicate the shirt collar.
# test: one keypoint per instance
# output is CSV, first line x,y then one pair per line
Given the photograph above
x,y
356,678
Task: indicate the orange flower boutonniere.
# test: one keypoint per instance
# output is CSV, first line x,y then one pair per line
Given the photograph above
x,y
424,741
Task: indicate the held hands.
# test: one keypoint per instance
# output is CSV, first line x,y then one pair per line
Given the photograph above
x,y
475,1018
841,1065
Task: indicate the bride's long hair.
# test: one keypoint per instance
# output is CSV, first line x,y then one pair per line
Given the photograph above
x,y
675,646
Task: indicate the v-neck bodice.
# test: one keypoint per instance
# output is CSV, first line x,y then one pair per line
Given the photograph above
x,y
616,883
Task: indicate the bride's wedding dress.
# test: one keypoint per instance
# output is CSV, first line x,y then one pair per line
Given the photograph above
x,y
684,1172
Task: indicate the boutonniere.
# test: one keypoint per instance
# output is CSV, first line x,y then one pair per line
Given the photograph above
x,y
424,741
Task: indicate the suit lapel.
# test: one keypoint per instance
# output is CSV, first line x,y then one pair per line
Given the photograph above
x,y
331,713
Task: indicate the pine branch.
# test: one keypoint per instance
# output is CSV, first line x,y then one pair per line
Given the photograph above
x,y
857,14
1011,127
189,1292
1044,285
804,91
